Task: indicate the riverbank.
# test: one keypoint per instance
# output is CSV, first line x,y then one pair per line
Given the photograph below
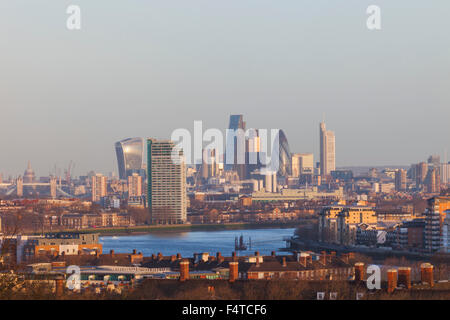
x,y
376,253
136,230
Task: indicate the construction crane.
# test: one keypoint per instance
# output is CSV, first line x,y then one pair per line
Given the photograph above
x,y
68,172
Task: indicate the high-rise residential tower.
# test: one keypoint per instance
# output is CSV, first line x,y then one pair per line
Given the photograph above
x,y
166,178
130,157
99,186
327,150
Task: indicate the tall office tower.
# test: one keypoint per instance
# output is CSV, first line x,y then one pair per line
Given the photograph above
x,y
19,186
29,176
130,157
434,160
234,145
134,185
166,190
327,150
98,184
421,173
400,180
283,154
53,187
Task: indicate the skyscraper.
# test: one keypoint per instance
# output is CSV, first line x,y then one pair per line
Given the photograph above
x,y
400,180
327,150
433,180
232,145
421,170
98,183
434,160
130,157
166,178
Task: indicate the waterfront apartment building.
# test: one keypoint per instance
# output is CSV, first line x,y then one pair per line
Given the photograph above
x,y
435,216
445,237
166,190
98,183
27,248
339,223
327,150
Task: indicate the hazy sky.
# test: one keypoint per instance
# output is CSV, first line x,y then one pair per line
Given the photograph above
x,y
145,68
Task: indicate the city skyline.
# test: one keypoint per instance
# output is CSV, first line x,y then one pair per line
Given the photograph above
x,y
115,168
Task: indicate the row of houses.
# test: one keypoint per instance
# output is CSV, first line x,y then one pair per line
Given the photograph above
x,y
275,214
88,220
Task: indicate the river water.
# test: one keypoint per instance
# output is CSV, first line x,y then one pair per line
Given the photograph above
x,y
187,243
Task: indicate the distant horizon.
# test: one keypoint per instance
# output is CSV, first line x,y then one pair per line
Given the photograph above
x,y
107,173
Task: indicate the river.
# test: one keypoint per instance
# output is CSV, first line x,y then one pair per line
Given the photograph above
x,y
187,243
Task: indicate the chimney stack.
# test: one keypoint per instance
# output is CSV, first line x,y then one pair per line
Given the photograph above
x,y
173,258
426,274
284,262
234,271
111,253
134,251
404,277
178,256
184,270
233,255
59,285
359,271
392,280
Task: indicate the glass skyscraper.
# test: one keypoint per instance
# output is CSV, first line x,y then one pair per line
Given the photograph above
x,y
130,157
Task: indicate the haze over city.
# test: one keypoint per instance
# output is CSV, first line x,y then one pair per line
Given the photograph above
x,y
148,68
